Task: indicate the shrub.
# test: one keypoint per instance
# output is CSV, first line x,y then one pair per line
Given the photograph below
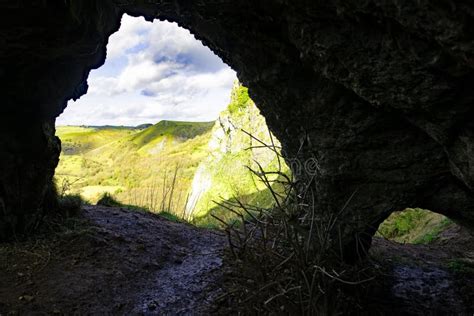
x,y
70,204
51,199
171,217
108,200
58,202
287,258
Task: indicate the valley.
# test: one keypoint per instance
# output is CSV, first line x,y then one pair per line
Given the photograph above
x,y
181,168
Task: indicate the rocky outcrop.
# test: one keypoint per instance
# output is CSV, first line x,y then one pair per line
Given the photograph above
x,y
239,139
379,93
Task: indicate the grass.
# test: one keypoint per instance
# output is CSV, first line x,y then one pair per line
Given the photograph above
x,y
63,203
94,192
81,139
240,99
108,200
70,204
460,266
416,226
434,231
184,130
281,271
171,217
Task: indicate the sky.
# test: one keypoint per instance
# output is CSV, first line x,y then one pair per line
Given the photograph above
x,y
153,71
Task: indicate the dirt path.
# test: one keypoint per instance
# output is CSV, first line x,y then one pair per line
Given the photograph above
x,y
116,261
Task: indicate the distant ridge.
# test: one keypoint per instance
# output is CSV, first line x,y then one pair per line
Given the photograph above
x,y
141,126
141,138
182,129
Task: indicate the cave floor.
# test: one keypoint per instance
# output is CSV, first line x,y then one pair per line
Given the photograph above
x,y
112,260
426,279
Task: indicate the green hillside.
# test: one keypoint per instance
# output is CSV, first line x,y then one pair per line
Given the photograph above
x,y
235,146
81,139
174,129
414,226
178,167
132,164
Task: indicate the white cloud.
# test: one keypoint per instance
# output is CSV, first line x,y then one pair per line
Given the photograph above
x,y
153,71
129,36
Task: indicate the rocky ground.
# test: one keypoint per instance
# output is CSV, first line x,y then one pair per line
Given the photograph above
x,y
118,261
113,261
433,279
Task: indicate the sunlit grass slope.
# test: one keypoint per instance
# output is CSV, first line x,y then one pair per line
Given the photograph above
x,y
133,164
81,139
171,129
177,167
236,146
414,225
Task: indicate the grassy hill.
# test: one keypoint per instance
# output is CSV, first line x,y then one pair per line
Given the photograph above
x,y
134,164
173,129
177,167
414,226
81,139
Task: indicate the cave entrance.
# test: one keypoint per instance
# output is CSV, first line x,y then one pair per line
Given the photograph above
x,y
157,130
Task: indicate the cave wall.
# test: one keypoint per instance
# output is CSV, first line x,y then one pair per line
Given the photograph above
x,y
379,93
46,53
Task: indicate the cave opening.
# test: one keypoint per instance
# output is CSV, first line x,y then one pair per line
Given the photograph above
x,y
162,123
415,226
428,256
421,234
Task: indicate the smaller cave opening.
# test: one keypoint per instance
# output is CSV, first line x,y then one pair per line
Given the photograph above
x,y
414,226
429,259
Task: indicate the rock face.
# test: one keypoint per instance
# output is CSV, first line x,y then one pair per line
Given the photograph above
x,y
29,154
379,93
224,175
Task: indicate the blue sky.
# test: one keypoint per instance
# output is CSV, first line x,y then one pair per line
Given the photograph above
x,y
153,71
